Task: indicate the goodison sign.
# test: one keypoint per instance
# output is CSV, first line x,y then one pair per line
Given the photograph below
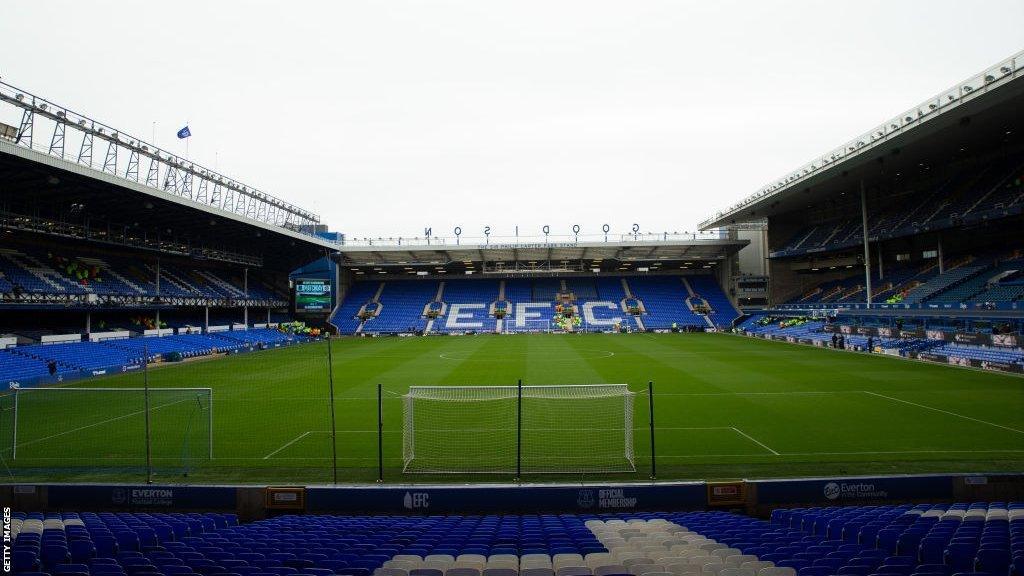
x,y
472,316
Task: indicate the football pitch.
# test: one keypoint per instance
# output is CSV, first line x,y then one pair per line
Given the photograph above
x,y
724,407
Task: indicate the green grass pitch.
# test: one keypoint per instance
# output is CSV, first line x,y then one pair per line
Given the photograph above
x,y
725,407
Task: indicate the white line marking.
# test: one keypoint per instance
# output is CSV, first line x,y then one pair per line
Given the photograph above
x,y
107,421
644,391
656,428
944,412
532,355
866,453
785,393
296,439
398,459
754,440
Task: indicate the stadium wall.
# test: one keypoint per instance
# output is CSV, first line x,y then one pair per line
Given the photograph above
x,y
755,497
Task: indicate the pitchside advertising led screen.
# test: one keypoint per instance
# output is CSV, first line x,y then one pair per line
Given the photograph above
x,y
312,295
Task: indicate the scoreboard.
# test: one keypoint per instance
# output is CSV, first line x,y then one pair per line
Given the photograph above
x,y
312,295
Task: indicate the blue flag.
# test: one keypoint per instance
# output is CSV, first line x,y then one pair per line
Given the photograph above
x,y
184,132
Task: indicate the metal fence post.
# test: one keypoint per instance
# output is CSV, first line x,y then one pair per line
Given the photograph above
x,y
334,430
380,433
145,385
650,404
519,430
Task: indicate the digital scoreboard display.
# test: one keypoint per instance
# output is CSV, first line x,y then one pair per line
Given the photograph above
x,y
312,295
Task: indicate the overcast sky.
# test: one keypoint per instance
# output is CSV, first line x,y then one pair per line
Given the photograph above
x,y
386,117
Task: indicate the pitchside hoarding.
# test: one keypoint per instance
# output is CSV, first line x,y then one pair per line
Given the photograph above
x,y
853,490
992,365
451,499
970,338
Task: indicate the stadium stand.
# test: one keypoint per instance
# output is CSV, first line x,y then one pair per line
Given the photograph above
x,y
666,300
78,355
470,292
358,295
969,280
1011,356
17,367
722,311
941,283
975,189
35,271
895,540
402,305
29,362
611,289
813,331
979,538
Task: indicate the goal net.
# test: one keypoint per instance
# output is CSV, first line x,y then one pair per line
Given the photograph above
x,y
96,427
552,429
527,325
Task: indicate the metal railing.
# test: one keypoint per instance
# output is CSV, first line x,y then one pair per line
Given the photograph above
x,y
538,241
57,131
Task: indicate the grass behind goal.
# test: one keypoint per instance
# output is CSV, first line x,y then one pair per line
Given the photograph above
x,y
725,407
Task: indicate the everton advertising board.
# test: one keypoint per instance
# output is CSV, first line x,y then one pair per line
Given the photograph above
x,y
971,338
148,496
854,490
1000,366
961,361
444,500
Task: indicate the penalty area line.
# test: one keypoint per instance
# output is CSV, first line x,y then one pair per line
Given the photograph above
x,y
100,423
296,439
940,410
752,439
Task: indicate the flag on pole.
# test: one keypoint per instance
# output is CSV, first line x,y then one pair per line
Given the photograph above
x,y
184,133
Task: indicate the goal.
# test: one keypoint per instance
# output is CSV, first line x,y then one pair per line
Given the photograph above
x,y
507,429
531,325
107,426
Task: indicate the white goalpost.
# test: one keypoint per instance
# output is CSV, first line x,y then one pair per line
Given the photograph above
x,y
532,325
82,424
582,428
